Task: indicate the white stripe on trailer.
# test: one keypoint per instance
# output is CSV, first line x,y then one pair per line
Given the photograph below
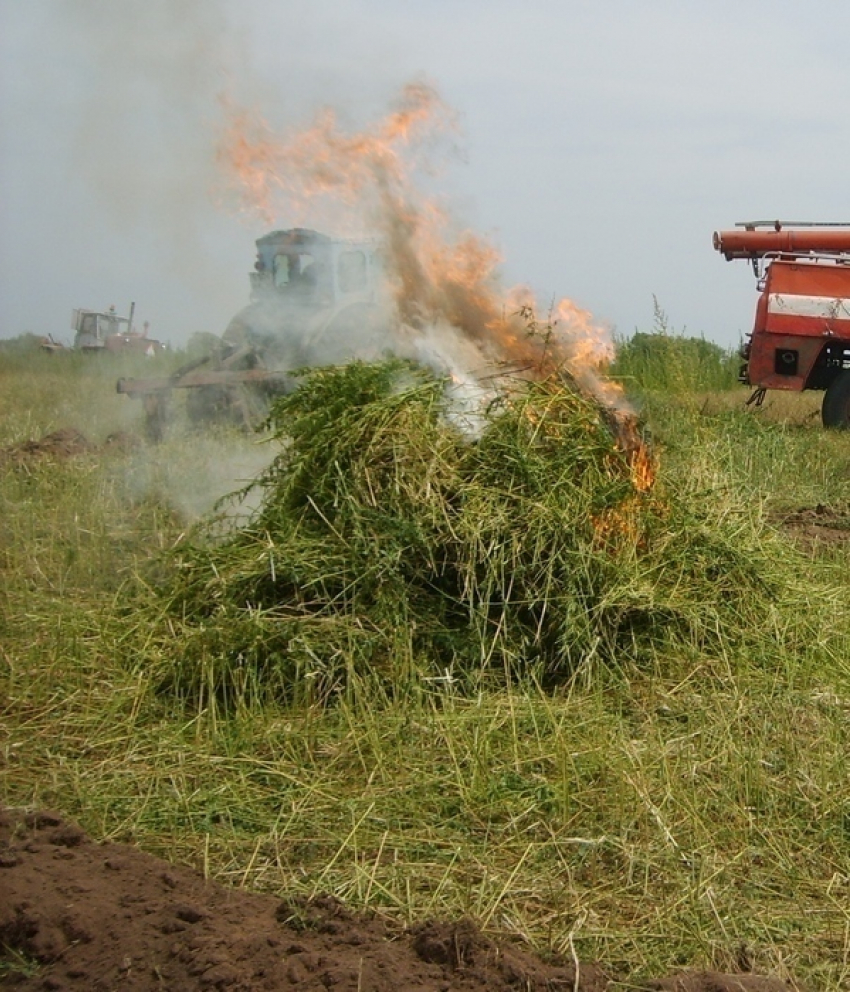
x,y
829,307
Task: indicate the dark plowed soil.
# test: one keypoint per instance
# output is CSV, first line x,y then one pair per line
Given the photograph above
x,y
813,526
64,443
67,442
76,915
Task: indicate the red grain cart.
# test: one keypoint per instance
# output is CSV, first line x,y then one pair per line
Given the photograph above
x,y
801,336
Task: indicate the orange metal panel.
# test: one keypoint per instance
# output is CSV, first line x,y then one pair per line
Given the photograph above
x,y
761,369
805,299
809,278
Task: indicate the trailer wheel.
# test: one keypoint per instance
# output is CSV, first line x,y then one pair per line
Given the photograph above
x,y
835,411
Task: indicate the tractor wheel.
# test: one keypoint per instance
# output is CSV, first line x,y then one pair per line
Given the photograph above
x,y
836,402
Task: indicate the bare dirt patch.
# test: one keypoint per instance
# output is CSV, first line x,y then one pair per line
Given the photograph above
x,y
67,442
816,526
63,443
76,915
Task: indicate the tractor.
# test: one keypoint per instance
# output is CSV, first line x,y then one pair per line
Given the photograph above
x,y
314,300
104,330
801,336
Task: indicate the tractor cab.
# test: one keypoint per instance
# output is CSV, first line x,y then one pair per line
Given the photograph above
x,y
314,300
311,270
95,327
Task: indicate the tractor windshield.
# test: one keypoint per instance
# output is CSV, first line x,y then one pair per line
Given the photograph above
x,y
294,270
109,324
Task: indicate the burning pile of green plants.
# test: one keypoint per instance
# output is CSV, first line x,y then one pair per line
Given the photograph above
x,y
389,544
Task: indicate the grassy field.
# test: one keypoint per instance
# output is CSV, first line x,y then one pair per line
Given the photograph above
x,y
687,803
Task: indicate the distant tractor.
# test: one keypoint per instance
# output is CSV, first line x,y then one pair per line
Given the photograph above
x,y
314,300
801,336
104,330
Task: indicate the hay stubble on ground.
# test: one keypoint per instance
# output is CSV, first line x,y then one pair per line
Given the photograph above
x,y
678,799
75,915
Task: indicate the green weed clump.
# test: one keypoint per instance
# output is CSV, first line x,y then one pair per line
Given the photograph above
x,y
672,362
387,543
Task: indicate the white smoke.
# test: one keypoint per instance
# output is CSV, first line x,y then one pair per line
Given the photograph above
x,y
192,474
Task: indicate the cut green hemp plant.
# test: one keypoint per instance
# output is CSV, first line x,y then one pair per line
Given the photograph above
x,y
389,545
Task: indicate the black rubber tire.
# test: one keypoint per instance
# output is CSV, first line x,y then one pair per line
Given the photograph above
x,y
835,411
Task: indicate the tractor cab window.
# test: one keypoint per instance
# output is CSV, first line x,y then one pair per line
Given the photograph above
x,y
295,274
351,271
88,324
282,270
109,324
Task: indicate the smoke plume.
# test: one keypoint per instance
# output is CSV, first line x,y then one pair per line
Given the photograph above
x,y
443,281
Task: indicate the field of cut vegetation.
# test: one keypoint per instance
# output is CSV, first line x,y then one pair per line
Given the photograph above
x,y
439,676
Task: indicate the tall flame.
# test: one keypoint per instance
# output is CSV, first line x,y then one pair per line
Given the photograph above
x,y
439,277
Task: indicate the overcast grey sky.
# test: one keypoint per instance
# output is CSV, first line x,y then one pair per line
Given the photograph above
x,y
601,142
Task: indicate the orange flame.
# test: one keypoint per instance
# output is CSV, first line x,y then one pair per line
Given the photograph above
x,y
643,469
622,522
274,176
368,180
438,276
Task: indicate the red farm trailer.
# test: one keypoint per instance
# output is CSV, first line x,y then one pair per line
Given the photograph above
x,y
801,336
